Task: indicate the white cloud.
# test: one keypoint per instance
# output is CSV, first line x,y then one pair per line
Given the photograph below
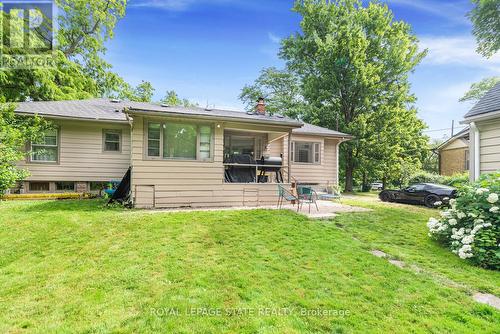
x,y
458,50
454,12
171,5
273,38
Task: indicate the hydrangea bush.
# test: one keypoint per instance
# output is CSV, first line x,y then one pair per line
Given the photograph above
x,y
470,227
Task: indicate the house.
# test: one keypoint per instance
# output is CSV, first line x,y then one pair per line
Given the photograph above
x,y
179,157
453,154
484,144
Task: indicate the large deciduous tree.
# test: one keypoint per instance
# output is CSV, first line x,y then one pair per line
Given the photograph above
x,y
353,64
280,88
15,132
485,17
79,71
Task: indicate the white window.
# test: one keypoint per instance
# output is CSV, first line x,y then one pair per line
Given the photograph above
x,y
46,149
306,152
182,141
112,140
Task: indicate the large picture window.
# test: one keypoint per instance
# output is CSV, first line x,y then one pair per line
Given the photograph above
x,y
306,152
183,141
46,149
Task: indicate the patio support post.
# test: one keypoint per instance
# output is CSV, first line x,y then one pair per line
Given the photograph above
x,y
289,156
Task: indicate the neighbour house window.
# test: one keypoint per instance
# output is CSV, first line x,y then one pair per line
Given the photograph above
x,y
183,141
112,140
65,186
46,149
39,186
306,152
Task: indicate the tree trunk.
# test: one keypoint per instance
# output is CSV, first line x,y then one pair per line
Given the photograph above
x,y
384,181
349,169
365,182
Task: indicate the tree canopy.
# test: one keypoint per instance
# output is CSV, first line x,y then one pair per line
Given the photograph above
x,y
478,89
15,132
485,17
79,70
171,98
352,64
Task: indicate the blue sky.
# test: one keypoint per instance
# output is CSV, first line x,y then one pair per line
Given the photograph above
x,y
207,50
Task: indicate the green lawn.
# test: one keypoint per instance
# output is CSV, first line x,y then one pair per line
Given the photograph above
x,y
72,266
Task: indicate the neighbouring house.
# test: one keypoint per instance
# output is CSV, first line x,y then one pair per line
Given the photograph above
x,y
179,157
453,154
484,144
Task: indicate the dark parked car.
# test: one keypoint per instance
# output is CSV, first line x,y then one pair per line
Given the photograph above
x,y
421,193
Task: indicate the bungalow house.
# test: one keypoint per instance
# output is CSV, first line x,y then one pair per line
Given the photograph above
x,y
453,154
179,157
484,145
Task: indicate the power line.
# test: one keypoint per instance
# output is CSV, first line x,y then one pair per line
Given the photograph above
x,y
446,129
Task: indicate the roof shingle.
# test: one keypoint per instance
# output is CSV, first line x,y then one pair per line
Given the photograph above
x,y
490,102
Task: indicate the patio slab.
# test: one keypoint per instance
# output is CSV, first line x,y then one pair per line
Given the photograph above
x,y
326,209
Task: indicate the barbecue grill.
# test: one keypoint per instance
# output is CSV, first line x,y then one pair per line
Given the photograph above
x,y
270,165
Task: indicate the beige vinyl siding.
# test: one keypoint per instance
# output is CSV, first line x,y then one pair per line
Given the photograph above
x,y
191,183
81,155
322,174
490,146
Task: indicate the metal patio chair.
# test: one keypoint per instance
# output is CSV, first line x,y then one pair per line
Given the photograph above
x,y
307,195
286,195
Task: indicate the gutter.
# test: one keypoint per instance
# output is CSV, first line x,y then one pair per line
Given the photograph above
x,y
480,117
73,118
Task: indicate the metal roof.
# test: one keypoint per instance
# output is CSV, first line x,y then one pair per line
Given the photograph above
x,y
115,111
309,129
110,110
490,102
93,109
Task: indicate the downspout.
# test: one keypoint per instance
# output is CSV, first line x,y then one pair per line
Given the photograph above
x,y
289,156
130,121
476,172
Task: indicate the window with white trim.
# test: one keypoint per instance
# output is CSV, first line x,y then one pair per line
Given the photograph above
x,y
112,140
306,152
180,141
46,149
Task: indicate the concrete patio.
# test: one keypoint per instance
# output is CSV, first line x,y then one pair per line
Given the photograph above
x,y
326,209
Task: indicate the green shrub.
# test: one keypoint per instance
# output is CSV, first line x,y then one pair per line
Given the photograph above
x,y
471,227
426,177
456,180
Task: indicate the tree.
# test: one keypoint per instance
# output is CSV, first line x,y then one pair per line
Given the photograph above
x,y
353,62
15,132
79,71
171,98
478,89
485,17
280,88
83,28
143,92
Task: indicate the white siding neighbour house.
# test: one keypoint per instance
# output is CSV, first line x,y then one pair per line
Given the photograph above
x,y
179,157
484,121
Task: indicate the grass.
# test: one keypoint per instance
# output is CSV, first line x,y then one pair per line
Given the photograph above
x,y
71,266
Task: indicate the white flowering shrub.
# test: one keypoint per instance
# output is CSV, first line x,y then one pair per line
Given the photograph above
x,y
470,227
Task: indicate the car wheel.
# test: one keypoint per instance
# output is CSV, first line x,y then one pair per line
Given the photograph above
x,y
430,200
384,197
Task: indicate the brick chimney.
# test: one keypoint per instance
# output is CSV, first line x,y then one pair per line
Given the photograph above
x,y
261,106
